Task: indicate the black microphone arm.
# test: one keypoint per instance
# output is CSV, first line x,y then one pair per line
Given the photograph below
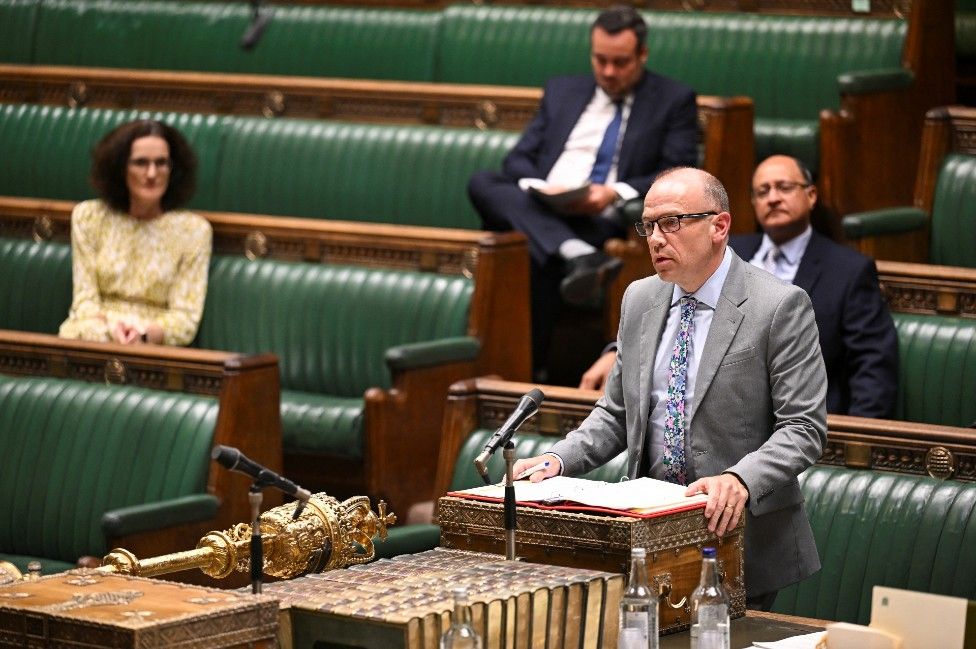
x,y
260,17
527,406
234,460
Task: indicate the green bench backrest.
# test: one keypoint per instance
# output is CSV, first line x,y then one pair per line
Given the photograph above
x,y
787,64
887,529
73,450
937,369
953,213
528,445
35,285
413,175
45,151
18,19
205,36
329,325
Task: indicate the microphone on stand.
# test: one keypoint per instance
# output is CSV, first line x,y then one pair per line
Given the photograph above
x,y
527,406
260,17
234,460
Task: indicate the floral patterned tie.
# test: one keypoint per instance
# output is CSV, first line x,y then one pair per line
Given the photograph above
x,y
674,416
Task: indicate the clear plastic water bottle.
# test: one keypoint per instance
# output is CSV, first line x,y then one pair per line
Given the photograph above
x,y
709,607
638,608
461,635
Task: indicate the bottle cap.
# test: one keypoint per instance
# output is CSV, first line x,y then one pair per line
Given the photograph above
x,y
708,553
638,553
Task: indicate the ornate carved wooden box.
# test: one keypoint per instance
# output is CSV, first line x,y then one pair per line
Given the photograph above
x,y
85,608
673,543
405,603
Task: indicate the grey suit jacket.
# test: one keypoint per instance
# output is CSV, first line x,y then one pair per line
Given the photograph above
x,y
761,412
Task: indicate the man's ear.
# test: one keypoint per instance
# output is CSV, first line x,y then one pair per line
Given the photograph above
x,y
722,223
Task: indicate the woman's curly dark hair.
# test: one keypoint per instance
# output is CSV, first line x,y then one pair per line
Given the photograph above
x,y
110,159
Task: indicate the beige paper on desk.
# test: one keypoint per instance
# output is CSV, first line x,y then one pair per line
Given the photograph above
x,y
643,494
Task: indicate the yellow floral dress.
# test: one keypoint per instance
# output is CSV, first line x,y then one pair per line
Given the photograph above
x,y
139,271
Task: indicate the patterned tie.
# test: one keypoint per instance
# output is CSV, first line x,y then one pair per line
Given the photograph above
x,y
771,262
674,416
604,155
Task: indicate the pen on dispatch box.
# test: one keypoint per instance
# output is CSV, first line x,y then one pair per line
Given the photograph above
x,y
541,466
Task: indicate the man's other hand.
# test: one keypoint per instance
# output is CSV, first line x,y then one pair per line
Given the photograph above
x,y
555,467
596,200
595,378
727,500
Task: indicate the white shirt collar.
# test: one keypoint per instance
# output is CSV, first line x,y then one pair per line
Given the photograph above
x,y
792,250
711,290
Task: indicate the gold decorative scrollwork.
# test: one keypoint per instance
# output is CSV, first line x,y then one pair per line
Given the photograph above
x,y
77,94
469,263
940,463
255,245
116,372
43,228
274,104
327,535
486,115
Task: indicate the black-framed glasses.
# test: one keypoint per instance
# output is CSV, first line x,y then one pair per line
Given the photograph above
x,y
668,223
784,187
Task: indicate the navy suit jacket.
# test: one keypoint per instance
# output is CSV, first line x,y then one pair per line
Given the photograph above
x,y
857,334
662,130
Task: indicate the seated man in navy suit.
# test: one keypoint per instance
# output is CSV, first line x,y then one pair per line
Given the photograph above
x,y
607,134
857,335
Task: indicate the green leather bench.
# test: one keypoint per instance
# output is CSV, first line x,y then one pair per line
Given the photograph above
x,y
344,336
337,330
936,369
949,223
302,40
17,18
791,66
85,465
414,175
887,529
411,175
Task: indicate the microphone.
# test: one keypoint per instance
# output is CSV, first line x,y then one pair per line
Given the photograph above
x,y
234,460
527,406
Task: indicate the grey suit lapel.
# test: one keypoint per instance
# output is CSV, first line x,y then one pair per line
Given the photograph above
x,y
725,323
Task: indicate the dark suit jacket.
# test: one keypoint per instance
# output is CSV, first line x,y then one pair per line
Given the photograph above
x,y
662,130
857,335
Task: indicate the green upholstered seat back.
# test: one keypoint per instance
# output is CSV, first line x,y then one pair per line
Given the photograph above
x,y
70,451
412,175
954,213
45,151
298,40
888,529
787,64
35,285
528,445
18,19
937,369
329,325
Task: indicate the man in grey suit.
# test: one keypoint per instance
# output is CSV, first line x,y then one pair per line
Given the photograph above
x,y
724,392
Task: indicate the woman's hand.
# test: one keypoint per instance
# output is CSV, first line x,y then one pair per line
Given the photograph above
x,y
125,333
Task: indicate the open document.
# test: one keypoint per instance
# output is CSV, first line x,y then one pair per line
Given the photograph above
x,y
557,198
644,496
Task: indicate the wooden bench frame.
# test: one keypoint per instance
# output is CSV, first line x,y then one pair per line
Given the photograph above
x,y
948,129
409,413
725,122
245,387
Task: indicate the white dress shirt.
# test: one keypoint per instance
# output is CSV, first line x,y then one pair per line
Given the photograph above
x,y
708,296
791,253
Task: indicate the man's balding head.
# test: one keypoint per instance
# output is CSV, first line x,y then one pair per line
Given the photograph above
x,y
783,196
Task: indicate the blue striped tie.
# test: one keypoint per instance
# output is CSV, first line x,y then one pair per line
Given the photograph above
x,y
604,155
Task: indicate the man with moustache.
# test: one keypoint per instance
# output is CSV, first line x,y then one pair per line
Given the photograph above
x,y
718,384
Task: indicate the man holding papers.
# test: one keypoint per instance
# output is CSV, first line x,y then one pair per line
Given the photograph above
x,y
719,385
